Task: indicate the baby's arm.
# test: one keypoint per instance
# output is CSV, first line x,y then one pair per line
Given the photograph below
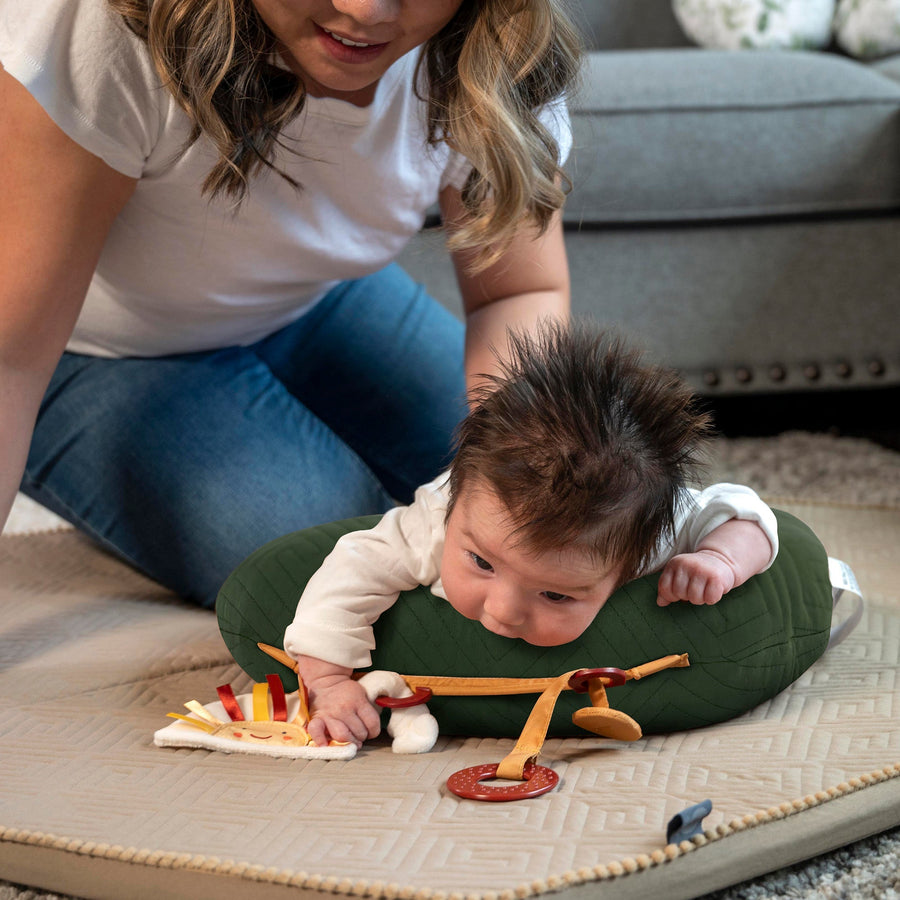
x,y
724,559
331,634
723,535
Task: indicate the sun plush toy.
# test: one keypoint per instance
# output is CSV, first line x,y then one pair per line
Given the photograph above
x,y
272,723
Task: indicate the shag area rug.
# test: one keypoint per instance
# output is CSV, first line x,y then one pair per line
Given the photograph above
x,y
92,656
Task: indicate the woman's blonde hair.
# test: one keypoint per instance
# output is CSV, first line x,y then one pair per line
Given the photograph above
x,y
489,73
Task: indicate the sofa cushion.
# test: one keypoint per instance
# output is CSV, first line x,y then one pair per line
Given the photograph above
x,y
889,66
688,134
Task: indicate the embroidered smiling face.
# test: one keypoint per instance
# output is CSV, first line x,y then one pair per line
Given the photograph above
x,y
285,734
268,724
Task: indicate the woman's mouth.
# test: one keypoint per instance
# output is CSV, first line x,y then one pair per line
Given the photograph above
x,y
345,41
346,49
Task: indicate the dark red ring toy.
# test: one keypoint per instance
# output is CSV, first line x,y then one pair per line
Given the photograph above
x,y
579,681
421,695
467,783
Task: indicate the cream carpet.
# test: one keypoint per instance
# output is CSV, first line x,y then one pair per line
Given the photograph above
x,y
92,656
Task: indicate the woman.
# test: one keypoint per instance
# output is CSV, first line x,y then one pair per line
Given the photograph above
x,y
203,341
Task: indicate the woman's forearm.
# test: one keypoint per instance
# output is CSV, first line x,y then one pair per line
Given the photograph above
x,y
487,326
19,401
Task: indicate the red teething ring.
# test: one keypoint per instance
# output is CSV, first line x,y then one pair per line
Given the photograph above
x,y
579,681
466,783
422,695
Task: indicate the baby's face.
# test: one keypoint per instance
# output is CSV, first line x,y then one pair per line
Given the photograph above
x,y
545,599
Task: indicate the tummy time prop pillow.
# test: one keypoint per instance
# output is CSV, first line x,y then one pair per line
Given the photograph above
x,y
750,646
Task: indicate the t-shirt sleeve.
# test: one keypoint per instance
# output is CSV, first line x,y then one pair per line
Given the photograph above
x,y
91,75
555,118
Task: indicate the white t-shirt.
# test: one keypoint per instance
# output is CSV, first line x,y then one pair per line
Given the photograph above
x,y
365,572
180,273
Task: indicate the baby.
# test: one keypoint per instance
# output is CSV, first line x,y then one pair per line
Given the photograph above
x,y
570,479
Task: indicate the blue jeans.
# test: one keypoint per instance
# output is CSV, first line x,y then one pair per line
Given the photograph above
x,y
183,465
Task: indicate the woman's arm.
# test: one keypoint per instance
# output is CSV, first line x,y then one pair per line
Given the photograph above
x,y
59,202
530,282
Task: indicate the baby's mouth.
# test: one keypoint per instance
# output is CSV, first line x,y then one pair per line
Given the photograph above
x,y
500,630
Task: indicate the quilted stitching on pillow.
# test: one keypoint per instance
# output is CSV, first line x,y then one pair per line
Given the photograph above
x,y
743,651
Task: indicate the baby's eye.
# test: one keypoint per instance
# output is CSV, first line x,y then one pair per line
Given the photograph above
x,y
555,597
482,563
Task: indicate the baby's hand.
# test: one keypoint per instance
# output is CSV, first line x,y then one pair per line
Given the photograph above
x,y
339,706
341,711
700,578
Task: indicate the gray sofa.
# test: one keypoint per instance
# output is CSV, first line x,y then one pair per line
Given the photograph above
x,y
737,213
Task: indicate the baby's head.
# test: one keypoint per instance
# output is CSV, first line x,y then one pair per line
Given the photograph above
x,y
565,481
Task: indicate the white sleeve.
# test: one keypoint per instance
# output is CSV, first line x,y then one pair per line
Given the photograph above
x,y
362,577
701,512
91,75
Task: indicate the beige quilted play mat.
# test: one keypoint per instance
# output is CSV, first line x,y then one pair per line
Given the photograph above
x,y
93,656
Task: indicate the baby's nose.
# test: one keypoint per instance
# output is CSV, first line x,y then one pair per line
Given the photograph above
x,y
504,607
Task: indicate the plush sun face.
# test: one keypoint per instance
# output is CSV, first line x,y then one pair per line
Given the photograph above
x,y
286,734
266,722
269,727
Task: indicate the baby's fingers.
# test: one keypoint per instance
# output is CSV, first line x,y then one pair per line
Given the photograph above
x,y
322,730
353,728
318,731
672,585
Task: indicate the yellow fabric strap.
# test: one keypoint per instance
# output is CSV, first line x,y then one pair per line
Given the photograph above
x,y
195,722
535,731
675,661
279,655
302,717
450,685
459,686
597,718
260,702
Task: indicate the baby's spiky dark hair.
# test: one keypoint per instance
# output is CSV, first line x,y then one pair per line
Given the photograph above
x,y
585,444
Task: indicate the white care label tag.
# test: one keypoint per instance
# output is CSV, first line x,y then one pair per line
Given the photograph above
x,y
843,581
842,577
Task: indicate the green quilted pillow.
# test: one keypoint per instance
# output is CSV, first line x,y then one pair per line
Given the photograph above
x,y
759,639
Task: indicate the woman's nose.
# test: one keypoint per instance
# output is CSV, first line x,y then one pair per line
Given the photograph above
x,y
369,12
